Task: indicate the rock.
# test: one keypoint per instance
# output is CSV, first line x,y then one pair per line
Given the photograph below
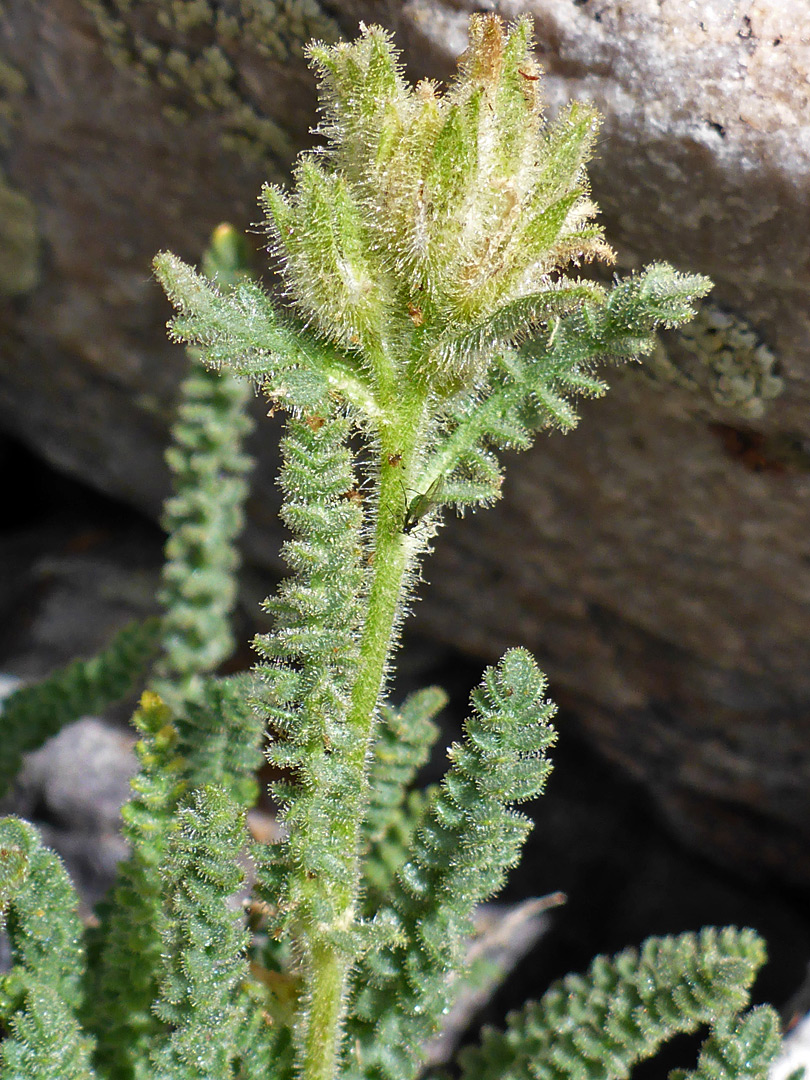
x,y
656,560
77,568
795,1053
73,789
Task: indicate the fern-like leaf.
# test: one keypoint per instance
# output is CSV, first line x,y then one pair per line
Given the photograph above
x,y
204,941
477,345
404,739
205,514
40,994
530,387
389,853
222,738
125,952
203,518
402,746
622,1010
742,1048
625,324
264,1047
310,662
470,837
45,1041
241,331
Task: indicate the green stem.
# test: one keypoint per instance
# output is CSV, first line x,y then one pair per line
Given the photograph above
x,y
394,553
328,992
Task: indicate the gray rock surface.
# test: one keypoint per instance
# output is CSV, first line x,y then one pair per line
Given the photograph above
x,y
73,789
657,560
795,1053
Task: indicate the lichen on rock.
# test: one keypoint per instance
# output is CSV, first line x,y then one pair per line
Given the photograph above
x,y
19,234
12,87
192,49
719,355
19,241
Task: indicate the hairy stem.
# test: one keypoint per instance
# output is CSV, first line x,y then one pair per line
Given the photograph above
x,y
394,553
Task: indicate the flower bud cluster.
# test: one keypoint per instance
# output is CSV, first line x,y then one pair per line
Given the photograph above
x,y
426,216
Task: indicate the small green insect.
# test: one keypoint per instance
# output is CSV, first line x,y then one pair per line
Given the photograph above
x,y
421,505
